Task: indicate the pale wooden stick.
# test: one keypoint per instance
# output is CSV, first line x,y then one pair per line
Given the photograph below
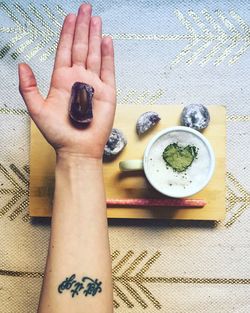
x,y
167,202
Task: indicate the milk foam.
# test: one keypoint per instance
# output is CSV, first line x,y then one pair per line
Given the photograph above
x,y
165,178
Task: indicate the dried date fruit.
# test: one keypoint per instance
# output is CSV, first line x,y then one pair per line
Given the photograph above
x,y
115,143
146,121
81,103
195,116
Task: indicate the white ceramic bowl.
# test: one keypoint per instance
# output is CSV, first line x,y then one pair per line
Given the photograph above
x,y
211,160
131,165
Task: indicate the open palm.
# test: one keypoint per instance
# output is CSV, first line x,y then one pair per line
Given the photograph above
x,y
84,56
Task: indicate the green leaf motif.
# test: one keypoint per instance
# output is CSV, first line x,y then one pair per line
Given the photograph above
x,y
131,281
19,192
35,32
130,287
238,200
211,36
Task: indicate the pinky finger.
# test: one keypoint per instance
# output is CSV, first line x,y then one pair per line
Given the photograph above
x,y
108,65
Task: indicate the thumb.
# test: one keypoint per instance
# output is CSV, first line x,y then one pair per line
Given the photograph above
x,y
29,90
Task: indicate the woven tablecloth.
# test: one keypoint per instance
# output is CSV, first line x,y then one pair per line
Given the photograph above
x,y
167,52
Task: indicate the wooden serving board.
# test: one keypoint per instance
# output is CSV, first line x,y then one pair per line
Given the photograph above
x,y
134,185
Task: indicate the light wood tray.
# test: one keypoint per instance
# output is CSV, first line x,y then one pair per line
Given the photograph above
x,y
130,185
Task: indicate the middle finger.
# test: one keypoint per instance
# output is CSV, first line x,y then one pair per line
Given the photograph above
x,y
80,44
95,39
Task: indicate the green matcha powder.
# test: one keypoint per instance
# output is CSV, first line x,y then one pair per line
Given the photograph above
x,y
179,158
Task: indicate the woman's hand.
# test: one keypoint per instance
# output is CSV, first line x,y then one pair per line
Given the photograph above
x,y
82,55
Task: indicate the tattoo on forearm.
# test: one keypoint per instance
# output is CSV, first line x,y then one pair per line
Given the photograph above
x,y
87,286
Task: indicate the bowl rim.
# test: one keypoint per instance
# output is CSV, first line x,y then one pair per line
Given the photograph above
x,y
187,130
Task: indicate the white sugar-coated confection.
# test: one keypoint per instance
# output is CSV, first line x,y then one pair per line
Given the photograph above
x,y
146,121
195,116
115,143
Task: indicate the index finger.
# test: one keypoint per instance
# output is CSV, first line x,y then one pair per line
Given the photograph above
x,y
63,53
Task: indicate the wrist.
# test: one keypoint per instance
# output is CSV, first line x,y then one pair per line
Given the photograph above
x,y
72,161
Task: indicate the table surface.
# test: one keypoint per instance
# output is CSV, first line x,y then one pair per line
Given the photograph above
x,y
125,185
167,52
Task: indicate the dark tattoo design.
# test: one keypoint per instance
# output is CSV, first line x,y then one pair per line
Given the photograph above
x,y
87,284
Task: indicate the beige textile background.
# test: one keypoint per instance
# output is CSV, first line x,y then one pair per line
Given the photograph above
x,y
166,52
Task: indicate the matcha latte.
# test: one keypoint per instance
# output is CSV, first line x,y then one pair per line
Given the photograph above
x,y
179,162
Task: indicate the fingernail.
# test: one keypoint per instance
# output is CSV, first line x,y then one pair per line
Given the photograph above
x,y
70,17
20,66
86,8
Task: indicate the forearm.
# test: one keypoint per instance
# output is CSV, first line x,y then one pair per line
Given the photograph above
x,y
79,240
